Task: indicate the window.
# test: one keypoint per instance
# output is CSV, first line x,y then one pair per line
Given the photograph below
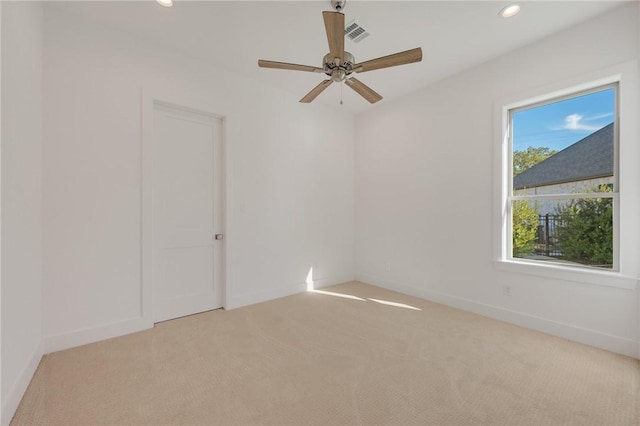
x,y
562,196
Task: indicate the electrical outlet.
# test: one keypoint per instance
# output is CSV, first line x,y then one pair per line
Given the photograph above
x,y
506,290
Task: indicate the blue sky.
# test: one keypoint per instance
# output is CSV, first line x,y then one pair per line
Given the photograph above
x,y
561,124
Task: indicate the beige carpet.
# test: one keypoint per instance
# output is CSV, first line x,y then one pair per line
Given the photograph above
x,y
321,359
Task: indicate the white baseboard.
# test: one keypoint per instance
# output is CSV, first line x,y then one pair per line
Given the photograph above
x,y
94,334
326,282
239,301
107,331
16,393
598,339
264,296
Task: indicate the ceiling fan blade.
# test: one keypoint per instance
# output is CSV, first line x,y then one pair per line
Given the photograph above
x,y
334,25
401,58
286,66
316,91
363,90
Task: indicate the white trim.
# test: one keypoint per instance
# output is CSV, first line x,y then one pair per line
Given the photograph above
x,y
267,295
626,250
510,197
149,98
586,336
247,299
581,274
567,88
85,336
561,196
3,409
146,207
15,394
326,282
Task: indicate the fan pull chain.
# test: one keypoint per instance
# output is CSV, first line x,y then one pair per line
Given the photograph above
x,y
341,84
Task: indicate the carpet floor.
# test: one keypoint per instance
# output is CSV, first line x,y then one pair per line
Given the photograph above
x,y
350,354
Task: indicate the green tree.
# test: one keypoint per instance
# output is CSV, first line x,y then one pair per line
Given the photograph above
x,y
525,225
587,233
523,160
525,215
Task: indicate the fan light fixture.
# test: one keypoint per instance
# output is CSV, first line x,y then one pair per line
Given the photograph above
x,y
510,11
165,3
339,64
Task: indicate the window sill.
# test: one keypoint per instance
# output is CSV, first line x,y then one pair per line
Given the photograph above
x,y
585,276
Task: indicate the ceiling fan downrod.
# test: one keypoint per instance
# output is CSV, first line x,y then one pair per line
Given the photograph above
x,y
338,5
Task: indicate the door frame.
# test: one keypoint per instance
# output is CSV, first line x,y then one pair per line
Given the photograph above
x,y
149,99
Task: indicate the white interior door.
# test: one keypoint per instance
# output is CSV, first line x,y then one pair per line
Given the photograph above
x,y
187,207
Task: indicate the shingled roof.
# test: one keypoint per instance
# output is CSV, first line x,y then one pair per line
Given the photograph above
x,y
589,158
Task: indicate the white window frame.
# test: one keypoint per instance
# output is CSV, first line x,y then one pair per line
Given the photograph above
x,y
614,195
626,249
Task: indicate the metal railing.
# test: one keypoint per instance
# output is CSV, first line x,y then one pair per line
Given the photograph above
x,y
547,237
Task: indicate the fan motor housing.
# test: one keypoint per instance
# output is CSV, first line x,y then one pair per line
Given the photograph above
x,y
338,72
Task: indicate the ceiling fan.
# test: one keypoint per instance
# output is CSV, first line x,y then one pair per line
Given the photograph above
x,y
339,64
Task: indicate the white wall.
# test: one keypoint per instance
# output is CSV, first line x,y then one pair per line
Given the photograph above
x,y
21,199
424,180
424,191
290,179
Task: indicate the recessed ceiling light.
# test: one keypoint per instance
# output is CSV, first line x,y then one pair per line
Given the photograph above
x,y
510,11
165,3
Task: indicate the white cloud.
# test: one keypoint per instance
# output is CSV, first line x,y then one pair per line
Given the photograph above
x,y
598,117
576,122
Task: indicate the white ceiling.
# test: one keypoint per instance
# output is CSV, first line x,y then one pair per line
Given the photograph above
x,y
454,35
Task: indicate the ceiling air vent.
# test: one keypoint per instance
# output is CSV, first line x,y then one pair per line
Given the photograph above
x,y
355,32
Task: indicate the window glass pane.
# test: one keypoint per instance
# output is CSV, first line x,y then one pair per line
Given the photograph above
x,y
565,147
525,219
575,231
